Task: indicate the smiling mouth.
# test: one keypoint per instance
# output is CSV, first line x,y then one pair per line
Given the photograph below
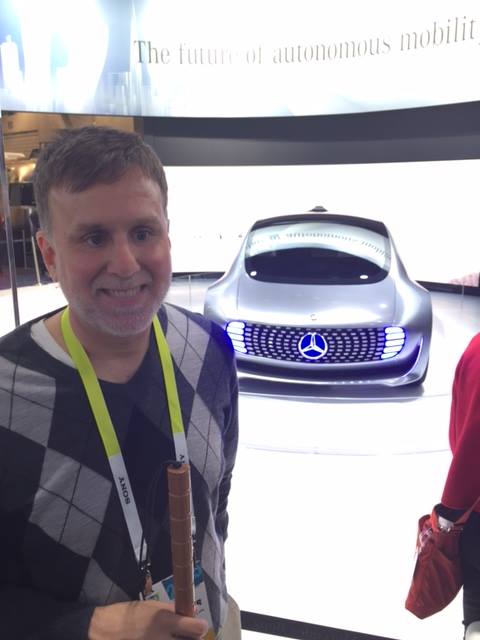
x,y
124,293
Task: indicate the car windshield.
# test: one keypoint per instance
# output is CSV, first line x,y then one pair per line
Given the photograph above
x,y
316,252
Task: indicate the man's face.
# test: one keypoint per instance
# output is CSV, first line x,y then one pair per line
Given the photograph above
x,y
109,249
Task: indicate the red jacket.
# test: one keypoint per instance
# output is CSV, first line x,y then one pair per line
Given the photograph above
x,y
462,486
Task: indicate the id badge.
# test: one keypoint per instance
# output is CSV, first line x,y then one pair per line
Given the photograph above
x,y
164,591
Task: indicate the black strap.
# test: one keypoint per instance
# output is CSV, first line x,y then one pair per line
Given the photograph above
x,y
299,630
461,521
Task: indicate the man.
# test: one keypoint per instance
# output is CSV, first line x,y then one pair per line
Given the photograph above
x,y
89,415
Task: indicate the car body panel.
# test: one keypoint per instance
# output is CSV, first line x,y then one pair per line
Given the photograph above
x,y
307,303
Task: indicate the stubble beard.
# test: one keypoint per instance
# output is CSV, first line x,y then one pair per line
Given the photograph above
x,y
125,323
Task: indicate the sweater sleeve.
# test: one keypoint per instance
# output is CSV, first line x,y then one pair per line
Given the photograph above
x,y
230,451
26,614
462,486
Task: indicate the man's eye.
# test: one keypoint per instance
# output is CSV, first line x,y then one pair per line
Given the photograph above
x,y
142,234
95,239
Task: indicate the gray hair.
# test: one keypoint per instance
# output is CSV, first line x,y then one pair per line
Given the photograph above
x,y
77,159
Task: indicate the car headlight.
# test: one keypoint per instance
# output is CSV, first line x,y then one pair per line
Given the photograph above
x,y
394,342
235,330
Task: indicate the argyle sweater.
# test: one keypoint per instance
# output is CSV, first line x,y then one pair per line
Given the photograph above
x,y
65,546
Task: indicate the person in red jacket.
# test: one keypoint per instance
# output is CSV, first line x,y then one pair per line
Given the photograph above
x,y
462,486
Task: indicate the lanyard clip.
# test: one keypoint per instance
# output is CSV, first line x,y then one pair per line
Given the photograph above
x,y
147,581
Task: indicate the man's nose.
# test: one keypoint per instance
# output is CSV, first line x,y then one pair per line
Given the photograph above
x,y
123,260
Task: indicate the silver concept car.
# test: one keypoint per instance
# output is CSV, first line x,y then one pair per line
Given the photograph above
x,y
323,298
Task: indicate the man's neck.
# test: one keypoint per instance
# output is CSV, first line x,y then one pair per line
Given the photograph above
x,y
114,358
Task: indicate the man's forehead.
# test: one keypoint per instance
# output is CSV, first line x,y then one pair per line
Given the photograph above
x,y
133,180
87,214
136,188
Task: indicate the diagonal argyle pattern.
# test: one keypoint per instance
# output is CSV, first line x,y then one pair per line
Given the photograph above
x,y
68,536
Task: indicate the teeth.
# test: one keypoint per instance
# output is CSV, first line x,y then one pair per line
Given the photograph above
x,y
123,293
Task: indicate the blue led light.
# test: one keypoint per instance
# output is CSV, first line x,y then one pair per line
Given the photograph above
x,y
394,342
389,330
235,330
240,349
236,324
275,342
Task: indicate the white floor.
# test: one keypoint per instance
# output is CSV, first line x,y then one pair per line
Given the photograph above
x,y
328,486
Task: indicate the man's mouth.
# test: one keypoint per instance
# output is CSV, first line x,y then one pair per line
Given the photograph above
x,y
124,293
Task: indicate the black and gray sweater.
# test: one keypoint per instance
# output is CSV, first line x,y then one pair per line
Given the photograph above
x,y
64,543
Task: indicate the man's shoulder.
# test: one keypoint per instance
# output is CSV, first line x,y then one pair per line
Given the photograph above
x,y
13,340
19,340
13,346
194,326
174,312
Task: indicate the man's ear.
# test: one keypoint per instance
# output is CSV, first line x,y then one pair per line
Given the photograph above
x,y
48,253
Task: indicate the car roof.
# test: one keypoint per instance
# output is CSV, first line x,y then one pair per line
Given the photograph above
x,y
364,223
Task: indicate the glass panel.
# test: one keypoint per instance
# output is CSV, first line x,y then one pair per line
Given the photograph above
x,y
317,253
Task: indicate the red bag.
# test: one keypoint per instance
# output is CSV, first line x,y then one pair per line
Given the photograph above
x,y
437,577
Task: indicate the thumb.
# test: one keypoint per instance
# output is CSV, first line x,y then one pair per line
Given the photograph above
x,y
191,627
202,626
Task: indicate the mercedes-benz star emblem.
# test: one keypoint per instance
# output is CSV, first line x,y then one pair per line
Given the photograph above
x,y
312,346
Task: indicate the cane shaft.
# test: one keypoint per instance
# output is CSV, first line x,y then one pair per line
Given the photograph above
x,y
181,538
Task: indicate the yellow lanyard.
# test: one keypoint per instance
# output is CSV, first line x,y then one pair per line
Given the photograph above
x,y
105,425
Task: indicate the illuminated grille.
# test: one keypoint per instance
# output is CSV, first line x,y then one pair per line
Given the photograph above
x,y
344,345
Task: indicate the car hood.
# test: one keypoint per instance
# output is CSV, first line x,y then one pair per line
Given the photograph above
x,y
318,305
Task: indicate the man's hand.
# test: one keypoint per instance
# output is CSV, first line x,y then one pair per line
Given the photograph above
x,y
150,620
